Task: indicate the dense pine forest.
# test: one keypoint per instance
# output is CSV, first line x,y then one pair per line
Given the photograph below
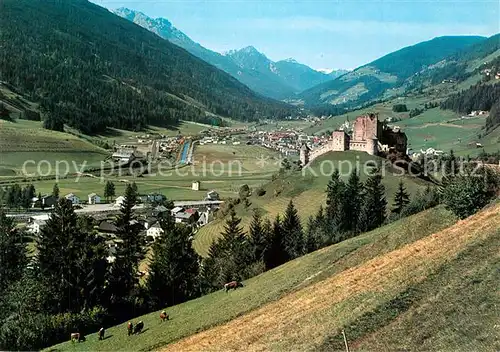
x,y
91,69
479,97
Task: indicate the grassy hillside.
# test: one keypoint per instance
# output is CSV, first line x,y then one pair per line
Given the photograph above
x,y
24,140
438,293
261,291
374,79
307,191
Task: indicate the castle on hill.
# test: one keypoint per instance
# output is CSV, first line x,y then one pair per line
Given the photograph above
x,y
368,135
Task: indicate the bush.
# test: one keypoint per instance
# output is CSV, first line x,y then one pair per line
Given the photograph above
x,y
260,191
399,108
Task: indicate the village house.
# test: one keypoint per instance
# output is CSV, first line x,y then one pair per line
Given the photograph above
x,y
154,231
119,201
185,218
94,198
72,198
212,195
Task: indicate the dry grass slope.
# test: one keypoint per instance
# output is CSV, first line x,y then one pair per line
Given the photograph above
x,y
301,320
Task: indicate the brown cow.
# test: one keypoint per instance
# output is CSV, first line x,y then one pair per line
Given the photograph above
x,y
77,336
164,316
130,328
233,285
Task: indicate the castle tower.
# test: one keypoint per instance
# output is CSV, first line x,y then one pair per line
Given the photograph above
x,y
304,154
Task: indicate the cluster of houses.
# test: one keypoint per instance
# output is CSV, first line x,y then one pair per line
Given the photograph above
x,y
490,73
286,142
475,113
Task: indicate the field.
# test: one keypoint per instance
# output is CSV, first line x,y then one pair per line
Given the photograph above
x,y
307,191
24,140
221,167
291,278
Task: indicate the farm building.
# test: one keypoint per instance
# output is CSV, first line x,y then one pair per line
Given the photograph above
x,y
195,186
72,198
94,198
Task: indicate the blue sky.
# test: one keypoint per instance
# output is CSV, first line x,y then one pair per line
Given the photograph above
x,y
320,33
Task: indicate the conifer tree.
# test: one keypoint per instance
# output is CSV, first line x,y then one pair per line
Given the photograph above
x,y
401,199
293,236
258,238
123,277
28,194
174,268
55,191
229,257
109,190
275,254
349,214
61,245
312,241
375,204
334,195
13,255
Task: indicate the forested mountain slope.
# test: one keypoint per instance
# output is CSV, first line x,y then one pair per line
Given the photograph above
x,y
91,69
371,81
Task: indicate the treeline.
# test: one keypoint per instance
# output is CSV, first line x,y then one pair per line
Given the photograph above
x,y
17,197
478,97
91,69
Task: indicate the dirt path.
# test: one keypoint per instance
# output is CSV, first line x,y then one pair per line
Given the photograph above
x,y
442,124
296,318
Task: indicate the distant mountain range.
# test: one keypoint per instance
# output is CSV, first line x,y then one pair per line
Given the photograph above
x,y
280,80
389,74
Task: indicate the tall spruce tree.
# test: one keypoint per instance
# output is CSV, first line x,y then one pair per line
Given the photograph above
x,y
350,206
375,204
61,247
334,195
109,191
312,241
275,254
401,199
28,194
258,238
55,190
174,268
13,254
293,236
130,251
229,257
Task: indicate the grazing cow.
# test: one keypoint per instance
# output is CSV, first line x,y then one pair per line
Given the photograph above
x,y
130,328
101,334
138,328
164,316
77,336
232,285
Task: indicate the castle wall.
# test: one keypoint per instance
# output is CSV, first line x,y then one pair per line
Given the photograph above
x,y
366,127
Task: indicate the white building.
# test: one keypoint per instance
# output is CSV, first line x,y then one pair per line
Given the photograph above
x,y
154,231
176,210
119,201
94,198
195,186
72,198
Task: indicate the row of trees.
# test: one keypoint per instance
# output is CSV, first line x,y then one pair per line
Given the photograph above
x,y
17,197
